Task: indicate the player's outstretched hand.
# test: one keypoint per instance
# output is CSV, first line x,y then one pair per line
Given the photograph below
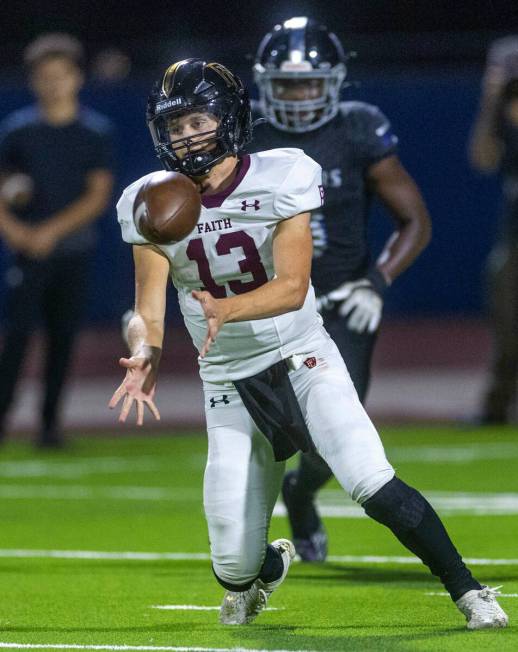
x,y
214,315
138,387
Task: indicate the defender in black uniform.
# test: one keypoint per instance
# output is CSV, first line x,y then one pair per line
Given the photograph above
x,y
300,69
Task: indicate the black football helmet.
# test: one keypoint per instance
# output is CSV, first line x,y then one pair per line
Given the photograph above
x,y
194,85
302,50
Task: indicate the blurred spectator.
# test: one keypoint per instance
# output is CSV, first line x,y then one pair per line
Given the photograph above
x,y
494,148
55,163
111,65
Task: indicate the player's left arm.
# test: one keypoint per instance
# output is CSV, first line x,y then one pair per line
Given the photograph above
x,y
396,189
85,209
292,251
361,301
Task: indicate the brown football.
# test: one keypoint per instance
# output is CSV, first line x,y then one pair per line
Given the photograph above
x,y
166,209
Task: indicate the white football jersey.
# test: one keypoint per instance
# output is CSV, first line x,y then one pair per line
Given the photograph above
x,y
229,252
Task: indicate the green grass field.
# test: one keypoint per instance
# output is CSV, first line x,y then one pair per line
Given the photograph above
x,y
63,513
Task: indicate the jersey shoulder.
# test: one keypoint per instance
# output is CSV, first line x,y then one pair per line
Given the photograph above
x,y
294,179
368,129
281,161
19,119
361,119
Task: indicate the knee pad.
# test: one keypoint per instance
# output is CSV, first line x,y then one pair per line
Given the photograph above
x,y
397,506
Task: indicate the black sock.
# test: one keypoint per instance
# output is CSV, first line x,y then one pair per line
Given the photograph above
x,y
273,566
415,523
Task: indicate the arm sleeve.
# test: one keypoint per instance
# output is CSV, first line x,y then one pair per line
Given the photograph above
x,y
301,190
379,140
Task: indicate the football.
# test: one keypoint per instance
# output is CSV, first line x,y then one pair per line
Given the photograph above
x,y
167,208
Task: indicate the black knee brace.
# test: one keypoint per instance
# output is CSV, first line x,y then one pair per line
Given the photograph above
x,y
397,506
414,522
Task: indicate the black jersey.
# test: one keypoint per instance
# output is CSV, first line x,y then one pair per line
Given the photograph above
x,y
58,160
359,136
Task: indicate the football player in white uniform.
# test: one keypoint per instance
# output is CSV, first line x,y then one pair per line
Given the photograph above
x,y
273,379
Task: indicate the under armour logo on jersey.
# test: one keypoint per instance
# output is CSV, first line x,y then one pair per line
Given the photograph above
x,y
223,399
255,205
310,362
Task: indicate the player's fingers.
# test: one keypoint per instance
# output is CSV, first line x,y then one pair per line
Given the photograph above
x,y
346,307
140,413
117,395
354,322
206,346
374,322
153,409
213,328
126,407
363,321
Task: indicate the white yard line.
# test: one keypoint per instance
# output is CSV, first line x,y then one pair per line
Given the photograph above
x,y
98,554
444,594
194,556
196,607
154,648
453,454
34,468
95,492
183,607
335,504
107,465
331,503
393,559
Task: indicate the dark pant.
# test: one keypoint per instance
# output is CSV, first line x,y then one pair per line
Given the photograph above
x,y
52,290
503,301
356,349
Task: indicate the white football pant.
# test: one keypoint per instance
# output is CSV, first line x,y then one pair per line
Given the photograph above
x,y
242,478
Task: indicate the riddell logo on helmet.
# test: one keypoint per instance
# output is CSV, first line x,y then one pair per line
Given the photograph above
x,y
255,205
167,104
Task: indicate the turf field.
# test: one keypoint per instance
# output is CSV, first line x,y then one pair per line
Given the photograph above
x,y
94,540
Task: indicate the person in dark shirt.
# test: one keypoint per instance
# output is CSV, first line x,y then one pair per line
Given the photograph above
x,y
300,70
494,148
56,180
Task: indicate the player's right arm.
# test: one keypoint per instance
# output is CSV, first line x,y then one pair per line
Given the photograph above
x,y
145,334
13,231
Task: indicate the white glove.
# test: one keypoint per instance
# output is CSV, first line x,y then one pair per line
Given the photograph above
x,y
361,302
